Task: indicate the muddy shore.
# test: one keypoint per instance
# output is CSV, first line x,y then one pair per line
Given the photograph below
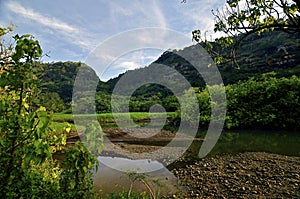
x,y
244,175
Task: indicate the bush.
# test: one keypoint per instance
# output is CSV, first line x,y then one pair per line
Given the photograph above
x,y
264,103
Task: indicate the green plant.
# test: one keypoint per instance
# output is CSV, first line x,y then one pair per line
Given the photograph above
x,y
266,102
76,177
145,180
239,19
125,195
25,140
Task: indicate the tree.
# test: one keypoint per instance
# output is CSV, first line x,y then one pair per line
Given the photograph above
x,y
24,136
27,169
266,102
241,18
51,101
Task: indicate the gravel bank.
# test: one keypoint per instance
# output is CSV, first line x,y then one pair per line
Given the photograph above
x,y
245,175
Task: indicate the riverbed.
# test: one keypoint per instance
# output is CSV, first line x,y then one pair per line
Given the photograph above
x,y
243,164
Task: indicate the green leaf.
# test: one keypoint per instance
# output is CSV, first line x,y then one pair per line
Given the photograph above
x,y
72,184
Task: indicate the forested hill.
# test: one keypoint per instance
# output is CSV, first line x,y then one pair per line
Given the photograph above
x,y
57,80
272,51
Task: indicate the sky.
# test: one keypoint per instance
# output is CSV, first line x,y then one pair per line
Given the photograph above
x,y
71,30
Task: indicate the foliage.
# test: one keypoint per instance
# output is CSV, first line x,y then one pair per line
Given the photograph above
x,y
268,102
59,78
150,193
105,118
258,16
103,104
239,19
27,140
51,101
59,128
263,102
252,56
76,178
205,107
189,112
143,178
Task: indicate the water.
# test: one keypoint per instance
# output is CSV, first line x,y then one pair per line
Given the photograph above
x,y
232,142
116,174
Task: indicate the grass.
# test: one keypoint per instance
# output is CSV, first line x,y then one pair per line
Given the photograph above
x,y
62,120
108,117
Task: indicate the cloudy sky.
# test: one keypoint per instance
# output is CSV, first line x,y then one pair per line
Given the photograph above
x,y
70,30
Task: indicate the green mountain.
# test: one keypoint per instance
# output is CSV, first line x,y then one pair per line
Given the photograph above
x,y
257,54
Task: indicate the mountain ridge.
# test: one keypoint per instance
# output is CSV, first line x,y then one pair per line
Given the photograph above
x,y
258,54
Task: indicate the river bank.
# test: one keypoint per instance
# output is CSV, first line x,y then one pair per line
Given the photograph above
x,y
243,175
235,175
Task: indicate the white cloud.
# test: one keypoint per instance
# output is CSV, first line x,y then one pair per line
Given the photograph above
x,y
126,65
198,15
137,14
159,15
136,59
71,33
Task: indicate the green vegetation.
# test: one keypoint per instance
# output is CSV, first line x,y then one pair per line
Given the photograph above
x,y
26,139
144,179
60,121
259,103
126,195
256,55
265,102
108,117
59,128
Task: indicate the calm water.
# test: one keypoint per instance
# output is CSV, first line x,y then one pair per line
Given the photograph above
x,y
232,142
114,174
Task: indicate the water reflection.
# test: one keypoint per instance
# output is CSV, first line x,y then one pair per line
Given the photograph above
x,y
113,174
128,165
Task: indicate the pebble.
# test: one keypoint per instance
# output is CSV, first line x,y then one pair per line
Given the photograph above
x,y
244,175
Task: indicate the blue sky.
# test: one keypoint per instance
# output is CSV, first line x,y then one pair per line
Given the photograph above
x,y
70,30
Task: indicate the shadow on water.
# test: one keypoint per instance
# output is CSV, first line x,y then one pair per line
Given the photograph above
x,y
232,142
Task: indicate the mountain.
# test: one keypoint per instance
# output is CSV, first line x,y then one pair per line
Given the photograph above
x,y
257,54
59,77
